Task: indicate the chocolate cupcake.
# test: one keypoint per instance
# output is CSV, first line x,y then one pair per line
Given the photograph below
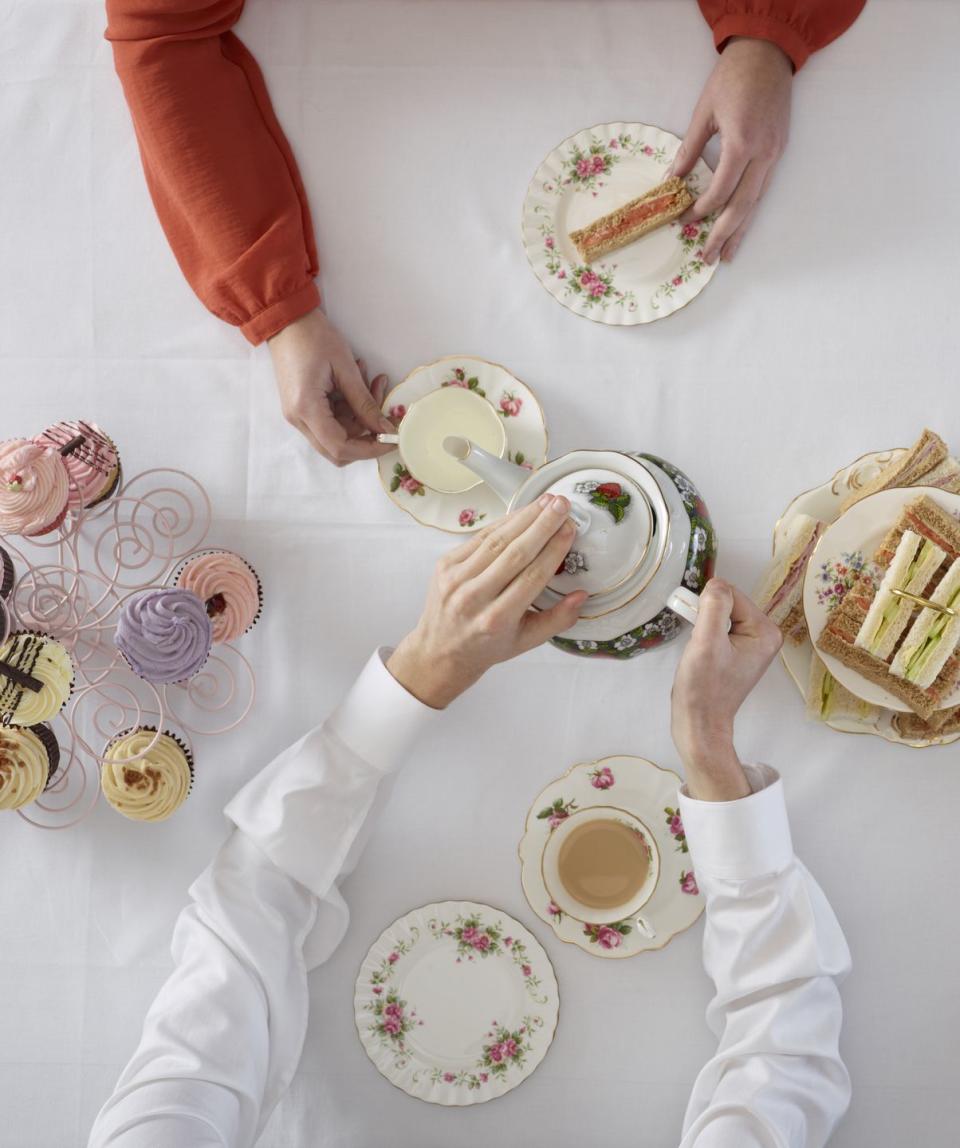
x,y
229,588
34,488
149,787
7,574
90,456
24,767
165,635
36,678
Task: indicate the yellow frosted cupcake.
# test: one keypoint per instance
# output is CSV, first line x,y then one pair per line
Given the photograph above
x,y
150,787
36,677
24,767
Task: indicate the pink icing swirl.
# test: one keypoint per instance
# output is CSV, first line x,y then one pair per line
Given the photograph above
x,y
92,465
34,488
228,587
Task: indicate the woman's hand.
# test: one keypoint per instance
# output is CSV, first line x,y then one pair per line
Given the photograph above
x,y
718,670
324,391
746,100
478,605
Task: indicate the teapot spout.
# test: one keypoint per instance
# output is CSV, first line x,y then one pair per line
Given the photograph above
x,y
504,478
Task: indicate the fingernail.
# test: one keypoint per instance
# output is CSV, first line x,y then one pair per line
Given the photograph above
x,y
545,500
560,505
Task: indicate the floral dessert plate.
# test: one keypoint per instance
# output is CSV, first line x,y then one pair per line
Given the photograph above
x,y
856,534
456,1003
647,791
523,421
588,175
831,577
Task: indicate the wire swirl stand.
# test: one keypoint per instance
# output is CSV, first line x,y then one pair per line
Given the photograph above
x,y
71,584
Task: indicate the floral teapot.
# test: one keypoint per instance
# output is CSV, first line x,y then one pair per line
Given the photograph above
x,y
645,546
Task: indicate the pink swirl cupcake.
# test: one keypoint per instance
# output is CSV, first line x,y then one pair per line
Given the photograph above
x,y
90,456
34,488
230,590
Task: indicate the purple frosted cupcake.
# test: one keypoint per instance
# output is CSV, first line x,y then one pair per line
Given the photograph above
x,y
165,635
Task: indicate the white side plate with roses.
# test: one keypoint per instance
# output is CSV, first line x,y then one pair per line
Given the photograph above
x,y
523,421
456,1003
591,173
647,791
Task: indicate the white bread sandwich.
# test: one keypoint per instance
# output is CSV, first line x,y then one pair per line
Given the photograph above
x,y
934,635
655,208
911,570
827,699
780,594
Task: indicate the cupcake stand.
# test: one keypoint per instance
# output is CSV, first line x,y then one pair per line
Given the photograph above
x,y
72,585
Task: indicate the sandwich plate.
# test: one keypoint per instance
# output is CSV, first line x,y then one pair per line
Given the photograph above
x,y
858,533
824,502
590,174
456,1003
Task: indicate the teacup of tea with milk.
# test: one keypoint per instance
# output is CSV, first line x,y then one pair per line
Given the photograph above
x,y
601,865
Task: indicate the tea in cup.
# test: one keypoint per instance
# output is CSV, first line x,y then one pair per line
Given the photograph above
x,y
448,411
601,865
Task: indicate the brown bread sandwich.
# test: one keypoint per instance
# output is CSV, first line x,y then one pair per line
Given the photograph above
x,y
655,208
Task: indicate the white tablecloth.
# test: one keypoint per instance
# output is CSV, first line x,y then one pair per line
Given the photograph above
x,y
417,126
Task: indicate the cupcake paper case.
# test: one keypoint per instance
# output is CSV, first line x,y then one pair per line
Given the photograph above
x,y
92,460
165,635
36,678
34,488
25,767
7,574
153,786
229,588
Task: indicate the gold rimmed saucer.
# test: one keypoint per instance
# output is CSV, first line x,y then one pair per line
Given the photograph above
x,y
649,793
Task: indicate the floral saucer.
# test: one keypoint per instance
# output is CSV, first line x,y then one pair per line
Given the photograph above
x,y
588,175
456,1003
650,793
836,573
523,421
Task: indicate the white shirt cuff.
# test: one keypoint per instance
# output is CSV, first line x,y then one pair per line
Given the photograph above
x,y
738,840
378,719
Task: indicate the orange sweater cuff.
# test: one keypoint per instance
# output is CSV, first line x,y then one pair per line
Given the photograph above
x,y
274,318
762,28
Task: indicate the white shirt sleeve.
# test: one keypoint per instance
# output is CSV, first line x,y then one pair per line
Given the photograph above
x,y
776,955
223,1037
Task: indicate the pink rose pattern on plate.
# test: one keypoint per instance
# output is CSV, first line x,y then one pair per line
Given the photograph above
x,y
688,883
510,404
469,517
502,1050
404,480
459,378
608,936
559,811
396,412
675,825
602,777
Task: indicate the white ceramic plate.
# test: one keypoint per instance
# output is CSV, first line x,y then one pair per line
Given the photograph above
x,y
456,1003
851,541
824,502
650,793
589,174
523,421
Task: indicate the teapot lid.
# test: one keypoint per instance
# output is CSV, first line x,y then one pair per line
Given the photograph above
x,y
614,528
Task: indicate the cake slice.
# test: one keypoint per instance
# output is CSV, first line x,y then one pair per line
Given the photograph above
x,y
655,208
780,594
927,454
839,639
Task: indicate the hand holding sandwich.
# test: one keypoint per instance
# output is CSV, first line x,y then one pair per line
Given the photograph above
x,y
746,100
324,391
716,673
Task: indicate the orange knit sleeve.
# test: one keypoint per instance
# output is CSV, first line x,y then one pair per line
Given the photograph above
x,y
220,171
799,27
